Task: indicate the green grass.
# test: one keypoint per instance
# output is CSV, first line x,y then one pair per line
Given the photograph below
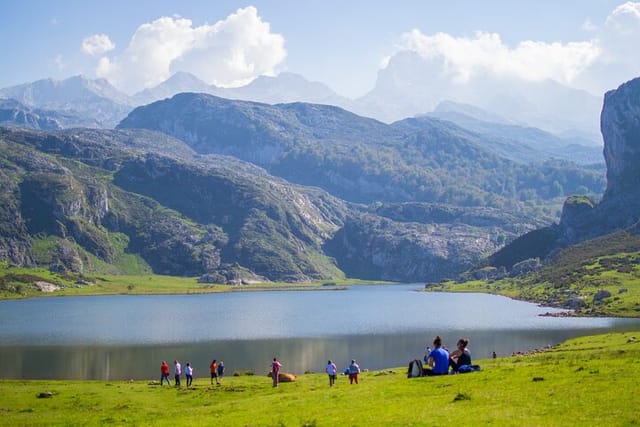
x,y
610,263
18,282
584,381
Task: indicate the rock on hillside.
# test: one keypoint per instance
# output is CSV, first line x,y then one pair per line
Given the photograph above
x,y
620,124
620,204
619,209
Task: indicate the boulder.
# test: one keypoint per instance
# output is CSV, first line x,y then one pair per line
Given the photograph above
x,y
283,377
601,295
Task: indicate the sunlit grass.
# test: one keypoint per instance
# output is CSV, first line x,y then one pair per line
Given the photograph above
x,y
585,381
18,282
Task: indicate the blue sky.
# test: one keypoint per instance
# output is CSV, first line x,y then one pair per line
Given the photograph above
x,y
340,43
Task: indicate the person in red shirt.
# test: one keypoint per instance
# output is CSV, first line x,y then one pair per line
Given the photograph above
x,y
213,368
164,370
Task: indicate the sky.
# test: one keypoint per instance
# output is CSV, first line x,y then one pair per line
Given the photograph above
x,y
587,44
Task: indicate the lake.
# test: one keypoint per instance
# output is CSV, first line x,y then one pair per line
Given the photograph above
x,y
122,337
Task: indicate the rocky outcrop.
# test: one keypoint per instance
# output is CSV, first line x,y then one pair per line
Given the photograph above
x,y
620,125
379,248
620,204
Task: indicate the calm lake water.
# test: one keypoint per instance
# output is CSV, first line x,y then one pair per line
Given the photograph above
x,y
122,337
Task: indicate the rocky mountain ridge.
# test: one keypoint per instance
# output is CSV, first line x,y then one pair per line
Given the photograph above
x,y
349,155
113,200
395,97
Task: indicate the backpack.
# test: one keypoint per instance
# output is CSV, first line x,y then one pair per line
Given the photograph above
x,y
415,369
468,368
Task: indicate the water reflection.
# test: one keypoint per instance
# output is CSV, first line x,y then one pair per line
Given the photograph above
x,y
298,355
122,337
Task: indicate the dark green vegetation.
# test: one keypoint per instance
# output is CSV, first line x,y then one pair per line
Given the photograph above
x,y
18,282
598,277
584,381
363,160
104,200
135,201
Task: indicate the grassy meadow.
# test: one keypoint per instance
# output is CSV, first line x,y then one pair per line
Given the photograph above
x,y
584,381
19,282
595,278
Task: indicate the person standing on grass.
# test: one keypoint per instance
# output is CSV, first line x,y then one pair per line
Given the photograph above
x,y
177,370
164,373
354,370
275,370
332,371
220,371
188,373
213,368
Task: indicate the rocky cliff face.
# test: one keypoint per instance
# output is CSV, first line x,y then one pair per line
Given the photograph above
x,y
619,208
620,124
583,219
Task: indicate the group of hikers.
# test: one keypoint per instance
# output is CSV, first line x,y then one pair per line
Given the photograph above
x,y
439,361
216,368
442,362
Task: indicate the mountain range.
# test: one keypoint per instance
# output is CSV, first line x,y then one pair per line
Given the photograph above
x,y
235,190
130,201
398,94
360,159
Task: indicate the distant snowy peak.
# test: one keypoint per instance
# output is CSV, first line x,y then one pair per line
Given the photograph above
x,y
50,93
90,101
178,83
283,88
287,87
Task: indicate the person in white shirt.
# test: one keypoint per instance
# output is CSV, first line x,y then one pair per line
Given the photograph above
x,y
354,370
332,371
188,373
177,369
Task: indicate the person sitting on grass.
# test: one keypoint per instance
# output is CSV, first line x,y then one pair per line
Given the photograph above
x,y
461,356
438,359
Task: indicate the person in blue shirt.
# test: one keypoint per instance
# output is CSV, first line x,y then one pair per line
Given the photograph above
x,y
438,359
220,371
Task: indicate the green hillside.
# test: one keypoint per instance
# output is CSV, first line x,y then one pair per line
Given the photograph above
x,y
363,160
598,277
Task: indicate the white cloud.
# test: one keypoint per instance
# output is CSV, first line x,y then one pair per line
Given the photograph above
x,y
466,57
228,53
619,41
620,36
625,19
97,44
602,62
